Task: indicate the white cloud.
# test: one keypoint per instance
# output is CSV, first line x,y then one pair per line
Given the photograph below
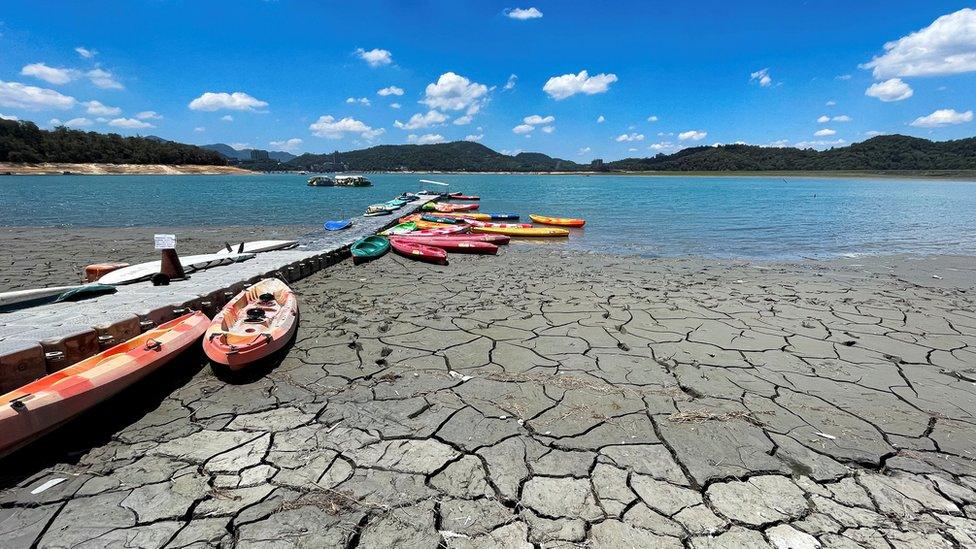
x,y
826,132
453,92
418,121
149,115
236,101
830,103
843,77
652,118
462,120
129,123
873,133
535,119
779,143
632,149
693,135
86,53
395,105
425,139
630,137
762,76
290,145
199,129
79,122
839,118
8,117
662,146
375,57
507,152
19,96
103,79
823,119
523,128
548,129
55,122
568,85
390,90
819,144
890,90
512,79
227,118
96,108
361,101
600,119
943,117
474,138
523,14
330,128
584,150
947,46
48,74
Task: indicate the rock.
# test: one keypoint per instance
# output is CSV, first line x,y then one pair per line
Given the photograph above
x,y
404,527
758,501
610,485
512,536
736,537
464,478
616,534
561,497
784,536
700,520
409,456
663,496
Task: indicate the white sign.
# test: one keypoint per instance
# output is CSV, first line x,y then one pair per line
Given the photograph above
x,y
165,241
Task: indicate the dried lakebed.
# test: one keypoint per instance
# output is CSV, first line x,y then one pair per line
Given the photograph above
x,y
550,399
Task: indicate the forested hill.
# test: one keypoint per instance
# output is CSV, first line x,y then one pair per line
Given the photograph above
x,y
886,152
22,141
462,156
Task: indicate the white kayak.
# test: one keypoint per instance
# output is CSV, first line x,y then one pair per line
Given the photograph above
x,y
19,299
258,246
144,271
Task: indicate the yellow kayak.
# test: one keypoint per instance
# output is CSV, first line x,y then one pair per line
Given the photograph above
x,y
468,215
421,224
563,221
521,231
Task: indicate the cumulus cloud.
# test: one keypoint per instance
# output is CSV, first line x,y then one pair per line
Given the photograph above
x,y
535,119
462,120
103,79
453,92
548,129
390,90
762,77
80,122
199,129
19,96
600,119
149,115
96,108
584,150
630,137
823,119
826,132
568,85
290,145
523,128
375,57
395,105
51,75
890,90
474,138
530,122
693,135
819,144
839,118
236,101
947,46
85,53
943,117
419,120
652,118
425,139
129,123
330,128
362,101
830,103
227,118
523,14
662,146
8,117
512,80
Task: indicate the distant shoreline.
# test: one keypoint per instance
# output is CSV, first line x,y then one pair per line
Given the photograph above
x,y
53,168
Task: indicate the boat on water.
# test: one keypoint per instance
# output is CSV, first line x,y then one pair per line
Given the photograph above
x,y
256,323
339,181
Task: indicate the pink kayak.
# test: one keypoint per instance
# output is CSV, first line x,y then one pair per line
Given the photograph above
x,y
497,239
458,245
476,223
418,251
440,231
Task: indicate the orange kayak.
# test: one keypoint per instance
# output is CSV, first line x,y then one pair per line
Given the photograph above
x,y
561,221
522,231
256,323
44,404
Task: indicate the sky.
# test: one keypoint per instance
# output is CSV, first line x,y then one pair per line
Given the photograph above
x,y
577,80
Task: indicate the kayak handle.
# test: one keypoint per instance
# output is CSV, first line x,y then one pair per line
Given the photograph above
x,y
153,345
18,403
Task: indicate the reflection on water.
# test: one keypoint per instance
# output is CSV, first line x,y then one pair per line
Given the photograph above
x,y
655,216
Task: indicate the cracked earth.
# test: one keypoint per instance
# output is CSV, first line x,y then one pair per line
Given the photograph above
x,y
548,399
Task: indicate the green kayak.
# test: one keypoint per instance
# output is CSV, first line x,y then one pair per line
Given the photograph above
x,y
402,228
369,248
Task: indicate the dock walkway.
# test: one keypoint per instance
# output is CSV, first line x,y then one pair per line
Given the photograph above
x,y
43,339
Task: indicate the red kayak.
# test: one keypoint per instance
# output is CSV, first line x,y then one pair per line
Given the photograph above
x,y
440,231
420,252
476,223
459,196
452,208
497,239
459,245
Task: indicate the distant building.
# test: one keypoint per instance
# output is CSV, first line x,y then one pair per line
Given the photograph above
x,y
597,165
258,154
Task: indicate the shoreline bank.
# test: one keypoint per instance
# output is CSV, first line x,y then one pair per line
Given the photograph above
x,y
7,168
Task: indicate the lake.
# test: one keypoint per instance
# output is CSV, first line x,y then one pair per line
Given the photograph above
x,y
724,217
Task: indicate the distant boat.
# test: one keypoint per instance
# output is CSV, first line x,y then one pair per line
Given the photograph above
x,y
321,181
339,181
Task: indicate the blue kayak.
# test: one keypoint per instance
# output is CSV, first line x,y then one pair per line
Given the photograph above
x,y
503,217
338,225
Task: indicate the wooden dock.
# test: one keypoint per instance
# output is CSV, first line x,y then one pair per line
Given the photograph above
x,y
40,340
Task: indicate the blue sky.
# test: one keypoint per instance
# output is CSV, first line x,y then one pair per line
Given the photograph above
x,y
306,76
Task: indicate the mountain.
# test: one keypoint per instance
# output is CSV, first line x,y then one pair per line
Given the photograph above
x,y
245,154
885,152
462,156
23,141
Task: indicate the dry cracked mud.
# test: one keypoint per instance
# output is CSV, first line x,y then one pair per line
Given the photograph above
x,y
550,399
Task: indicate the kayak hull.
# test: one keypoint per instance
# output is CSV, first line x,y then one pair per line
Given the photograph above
x,y
531,232
456,245
369,248
237,339
418,252
338,225
558,221
497,239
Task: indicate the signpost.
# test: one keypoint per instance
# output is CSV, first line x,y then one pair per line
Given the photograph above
x,y
170,266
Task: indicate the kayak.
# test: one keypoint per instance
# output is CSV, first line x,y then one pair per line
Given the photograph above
x,y
522,231
256,323
338,225
439,219
561,221
399,229
474,223
377,213
503,217
459,196
191,263
452,244
368,248
22,299
497,239
449,229
466,215
42,405
411,217
420,252
449,208
432,225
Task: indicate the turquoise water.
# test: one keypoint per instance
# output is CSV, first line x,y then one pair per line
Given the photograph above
x,y
724,217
